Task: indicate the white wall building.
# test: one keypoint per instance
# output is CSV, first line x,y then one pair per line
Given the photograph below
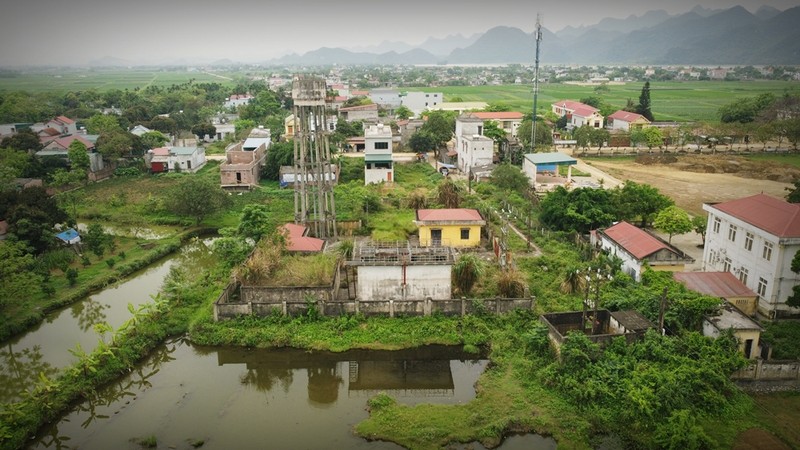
x,y
755,238
419,102
473,148
578,114
378,154
388,98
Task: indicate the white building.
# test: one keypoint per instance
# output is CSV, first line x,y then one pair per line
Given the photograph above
x,y
237,100
419,102
578,114
473,148
378,154
755,238
387,98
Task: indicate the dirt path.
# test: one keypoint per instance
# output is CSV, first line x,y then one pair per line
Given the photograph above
x,y
690,189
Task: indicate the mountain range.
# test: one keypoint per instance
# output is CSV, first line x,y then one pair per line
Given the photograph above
x,y
701,36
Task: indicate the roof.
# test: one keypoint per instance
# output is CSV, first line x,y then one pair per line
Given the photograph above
x,y
256,142
499,115
577,108
297,241
729,317
627,116
455,214
65,120
183,150
551,158
160,151
632,320
770,214
65,141
370,107
636,241
715,284
67,235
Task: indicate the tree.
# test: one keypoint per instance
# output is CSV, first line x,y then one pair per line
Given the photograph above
x,y
492,130
255,222
449,194
544,135
582,136
673,220
196,197
509,178
794,192
466,272
163,124
440,125
403,112
640,201
579,210
24,140
644,102
17,277
112,146
794,299
201,130
653,137
599,137
31,215
78,155
153,139
699,224
103,124
279,154
422,141
95,239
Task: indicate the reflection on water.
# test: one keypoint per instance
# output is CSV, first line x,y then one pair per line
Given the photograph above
x,y
47,347
240,398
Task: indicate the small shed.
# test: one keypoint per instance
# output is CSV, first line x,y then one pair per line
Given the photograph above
x,y
746,330
536,163
69,236
723,285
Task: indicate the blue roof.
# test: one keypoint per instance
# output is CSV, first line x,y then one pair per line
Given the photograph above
x,y
67,235
551,158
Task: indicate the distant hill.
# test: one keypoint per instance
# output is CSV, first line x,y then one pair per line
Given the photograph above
x,y
109,61
700,36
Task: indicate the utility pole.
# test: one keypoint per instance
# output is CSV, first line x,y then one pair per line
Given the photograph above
x,y
538,36
661,310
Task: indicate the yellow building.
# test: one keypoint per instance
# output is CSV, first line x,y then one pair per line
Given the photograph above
x,y
289,127
449,227
746,330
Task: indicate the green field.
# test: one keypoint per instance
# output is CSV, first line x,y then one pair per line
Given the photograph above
x,y
678,101
64,80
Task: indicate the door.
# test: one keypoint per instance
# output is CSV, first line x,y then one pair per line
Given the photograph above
x,y
436,237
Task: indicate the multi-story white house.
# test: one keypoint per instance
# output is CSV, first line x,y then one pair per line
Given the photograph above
x,y
473,148
578,114
378,154
508,121
755,238
419,102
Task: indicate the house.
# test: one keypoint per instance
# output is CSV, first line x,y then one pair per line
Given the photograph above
x,y
398,271
63,124
287,175
449,227
178,159
535,163
139,130
69,236
237,100
756,238
298,241
472,148
639,248
378,154
578,114
460,107
242,166
626,121
418,102
361,112
508,121
387,98
60,146
746,330
723,285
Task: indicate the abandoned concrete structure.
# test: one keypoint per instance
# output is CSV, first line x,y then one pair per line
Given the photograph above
x,y
244,161
607,325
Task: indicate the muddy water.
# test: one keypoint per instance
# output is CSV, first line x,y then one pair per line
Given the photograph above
x,y
49,346
233,398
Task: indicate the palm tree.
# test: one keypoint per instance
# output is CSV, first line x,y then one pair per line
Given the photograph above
x,y
574,281
466,272
511,283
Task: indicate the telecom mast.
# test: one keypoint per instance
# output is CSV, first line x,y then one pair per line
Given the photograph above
x,y
538,35
313,173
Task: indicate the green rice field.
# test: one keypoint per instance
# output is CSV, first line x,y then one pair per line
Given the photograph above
x,y
65,80
671,101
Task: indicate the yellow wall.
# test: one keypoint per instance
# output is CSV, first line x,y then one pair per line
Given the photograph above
x,y
743,336
668,268
451,235
746,305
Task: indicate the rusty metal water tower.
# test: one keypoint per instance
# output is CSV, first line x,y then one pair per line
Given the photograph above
x,y
314,204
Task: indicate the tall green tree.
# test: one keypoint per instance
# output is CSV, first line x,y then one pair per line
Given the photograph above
x,y
639,201
196,197
509,178
255,222
673,220
78,155
440,125
403,113
466,272
579,210
645,105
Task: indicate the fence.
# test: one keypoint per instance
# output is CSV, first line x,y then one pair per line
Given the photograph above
x,y
775,370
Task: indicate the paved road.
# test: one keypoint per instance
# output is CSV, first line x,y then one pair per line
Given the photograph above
x,y
609,182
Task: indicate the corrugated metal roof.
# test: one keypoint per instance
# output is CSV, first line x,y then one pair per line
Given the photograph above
x,y
550,158
716,284
636,241
460,214
770,214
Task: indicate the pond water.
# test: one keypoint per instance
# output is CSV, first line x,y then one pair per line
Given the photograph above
x,y
46,347
230,398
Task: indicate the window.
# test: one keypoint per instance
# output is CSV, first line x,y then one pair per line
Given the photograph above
x,y
748,241
464,234
381,146
732,233
743,275
480,130
726,265
767,253
717,223
762,287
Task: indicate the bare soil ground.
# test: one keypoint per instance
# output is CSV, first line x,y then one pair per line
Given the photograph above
x,y
697,179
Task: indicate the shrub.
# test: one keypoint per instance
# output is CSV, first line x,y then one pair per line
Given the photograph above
x,y
111,262
72,276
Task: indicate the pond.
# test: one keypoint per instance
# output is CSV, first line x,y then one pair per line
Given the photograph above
x,y
48,346
239,398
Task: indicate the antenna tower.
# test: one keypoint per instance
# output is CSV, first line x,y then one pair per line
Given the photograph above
x,y
314,178
538,35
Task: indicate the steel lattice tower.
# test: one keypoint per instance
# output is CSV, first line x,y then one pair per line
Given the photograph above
x,y
314,177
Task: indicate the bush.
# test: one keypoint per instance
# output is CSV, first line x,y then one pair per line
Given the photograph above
x,y
72,276
110,262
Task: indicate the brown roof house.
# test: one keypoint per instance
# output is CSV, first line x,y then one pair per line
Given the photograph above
x,y
244,162
723,285
637,248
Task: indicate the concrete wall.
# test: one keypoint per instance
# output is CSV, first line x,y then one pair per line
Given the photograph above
x,y
761,370
451,235
387,282
378,175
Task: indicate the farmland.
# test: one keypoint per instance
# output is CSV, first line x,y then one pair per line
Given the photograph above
x,y
65,79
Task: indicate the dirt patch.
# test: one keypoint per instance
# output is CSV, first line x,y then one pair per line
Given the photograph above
x,y
694,180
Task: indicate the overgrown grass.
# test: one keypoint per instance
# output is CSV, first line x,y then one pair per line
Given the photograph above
x,y
304,270
784,338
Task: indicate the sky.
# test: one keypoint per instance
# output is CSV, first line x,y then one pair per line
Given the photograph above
x,y
73,32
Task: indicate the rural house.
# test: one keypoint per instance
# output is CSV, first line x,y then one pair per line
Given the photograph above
x,y
723,285
626,121
378,154
472,147
449,227
578,114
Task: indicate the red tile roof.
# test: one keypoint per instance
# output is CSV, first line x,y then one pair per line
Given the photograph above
x,y
457,214
65,141
49,131
577,108
359,93
767,213
297,241
626,116
370,107
500,115
717,284
636,241
65,120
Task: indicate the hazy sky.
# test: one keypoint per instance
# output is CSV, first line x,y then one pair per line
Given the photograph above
x,y
160,31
